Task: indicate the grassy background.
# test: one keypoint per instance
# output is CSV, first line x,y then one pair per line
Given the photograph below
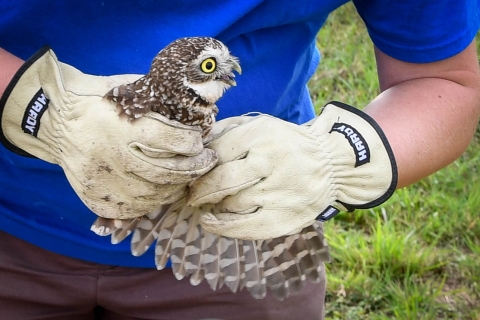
x,y
418,255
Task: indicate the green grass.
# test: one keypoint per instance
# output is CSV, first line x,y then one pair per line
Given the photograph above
x,y
418,255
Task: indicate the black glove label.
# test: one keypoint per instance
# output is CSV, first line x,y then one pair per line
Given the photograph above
x,y
327,214
34,112
358,143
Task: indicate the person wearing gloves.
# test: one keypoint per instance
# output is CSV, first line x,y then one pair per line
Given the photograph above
x,y
87,159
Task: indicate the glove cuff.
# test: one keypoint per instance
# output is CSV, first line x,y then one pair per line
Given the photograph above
x,y
365,172
22,105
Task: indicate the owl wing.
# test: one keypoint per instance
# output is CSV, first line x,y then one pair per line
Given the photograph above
x,y
282,264
133,99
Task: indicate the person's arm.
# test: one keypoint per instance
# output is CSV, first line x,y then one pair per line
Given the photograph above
x,y
428,112
9,64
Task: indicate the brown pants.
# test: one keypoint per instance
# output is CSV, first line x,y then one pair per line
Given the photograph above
x,y
39,284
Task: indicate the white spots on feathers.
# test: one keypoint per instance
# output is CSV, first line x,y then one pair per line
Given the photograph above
x,y
282,265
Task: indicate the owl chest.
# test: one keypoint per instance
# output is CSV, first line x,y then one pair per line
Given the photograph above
x,y
193,114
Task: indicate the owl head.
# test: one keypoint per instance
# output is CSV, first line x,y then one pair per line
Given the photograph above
x,y
200,64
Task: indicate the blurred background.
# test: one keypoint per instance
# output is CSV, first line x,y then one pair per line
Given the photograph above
x,y
418,255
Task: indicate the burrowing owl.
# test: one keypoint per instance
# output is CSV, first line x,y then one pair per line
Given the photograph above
x,y
185,81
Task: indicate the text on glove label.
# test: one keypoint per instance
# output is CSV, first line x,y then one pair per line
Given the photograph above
x,y
358,143
34,112
327,214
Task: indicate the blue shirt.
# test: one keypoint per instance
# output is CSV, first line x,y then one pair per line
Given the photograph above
x,y
275,41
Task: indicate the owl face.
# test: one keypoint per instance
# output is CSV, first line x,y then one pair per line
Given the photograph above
x,y
212,73
200,64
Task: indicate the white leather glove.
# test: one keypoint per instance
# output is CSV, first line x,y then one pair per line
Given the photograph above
x,y
274,178
119,169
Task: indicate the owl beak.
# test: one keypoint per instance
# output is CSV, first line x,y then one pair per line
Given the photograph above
x,y
230,78
236,66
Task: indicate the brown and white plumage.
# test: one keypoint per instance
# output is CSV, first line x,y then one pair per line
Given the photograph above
x,y
178,87
282,265
185,80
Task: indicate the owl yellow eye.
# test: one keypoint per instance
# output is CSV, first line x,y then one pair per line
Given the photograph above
x,y
208,65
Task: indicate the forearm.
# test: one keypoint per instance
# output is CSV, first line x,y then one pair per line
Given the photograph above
x,y
429,121
9,64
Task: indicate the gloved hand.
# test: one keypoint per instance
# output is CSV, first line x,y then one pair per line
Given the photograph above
x,y
274,178
119,169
